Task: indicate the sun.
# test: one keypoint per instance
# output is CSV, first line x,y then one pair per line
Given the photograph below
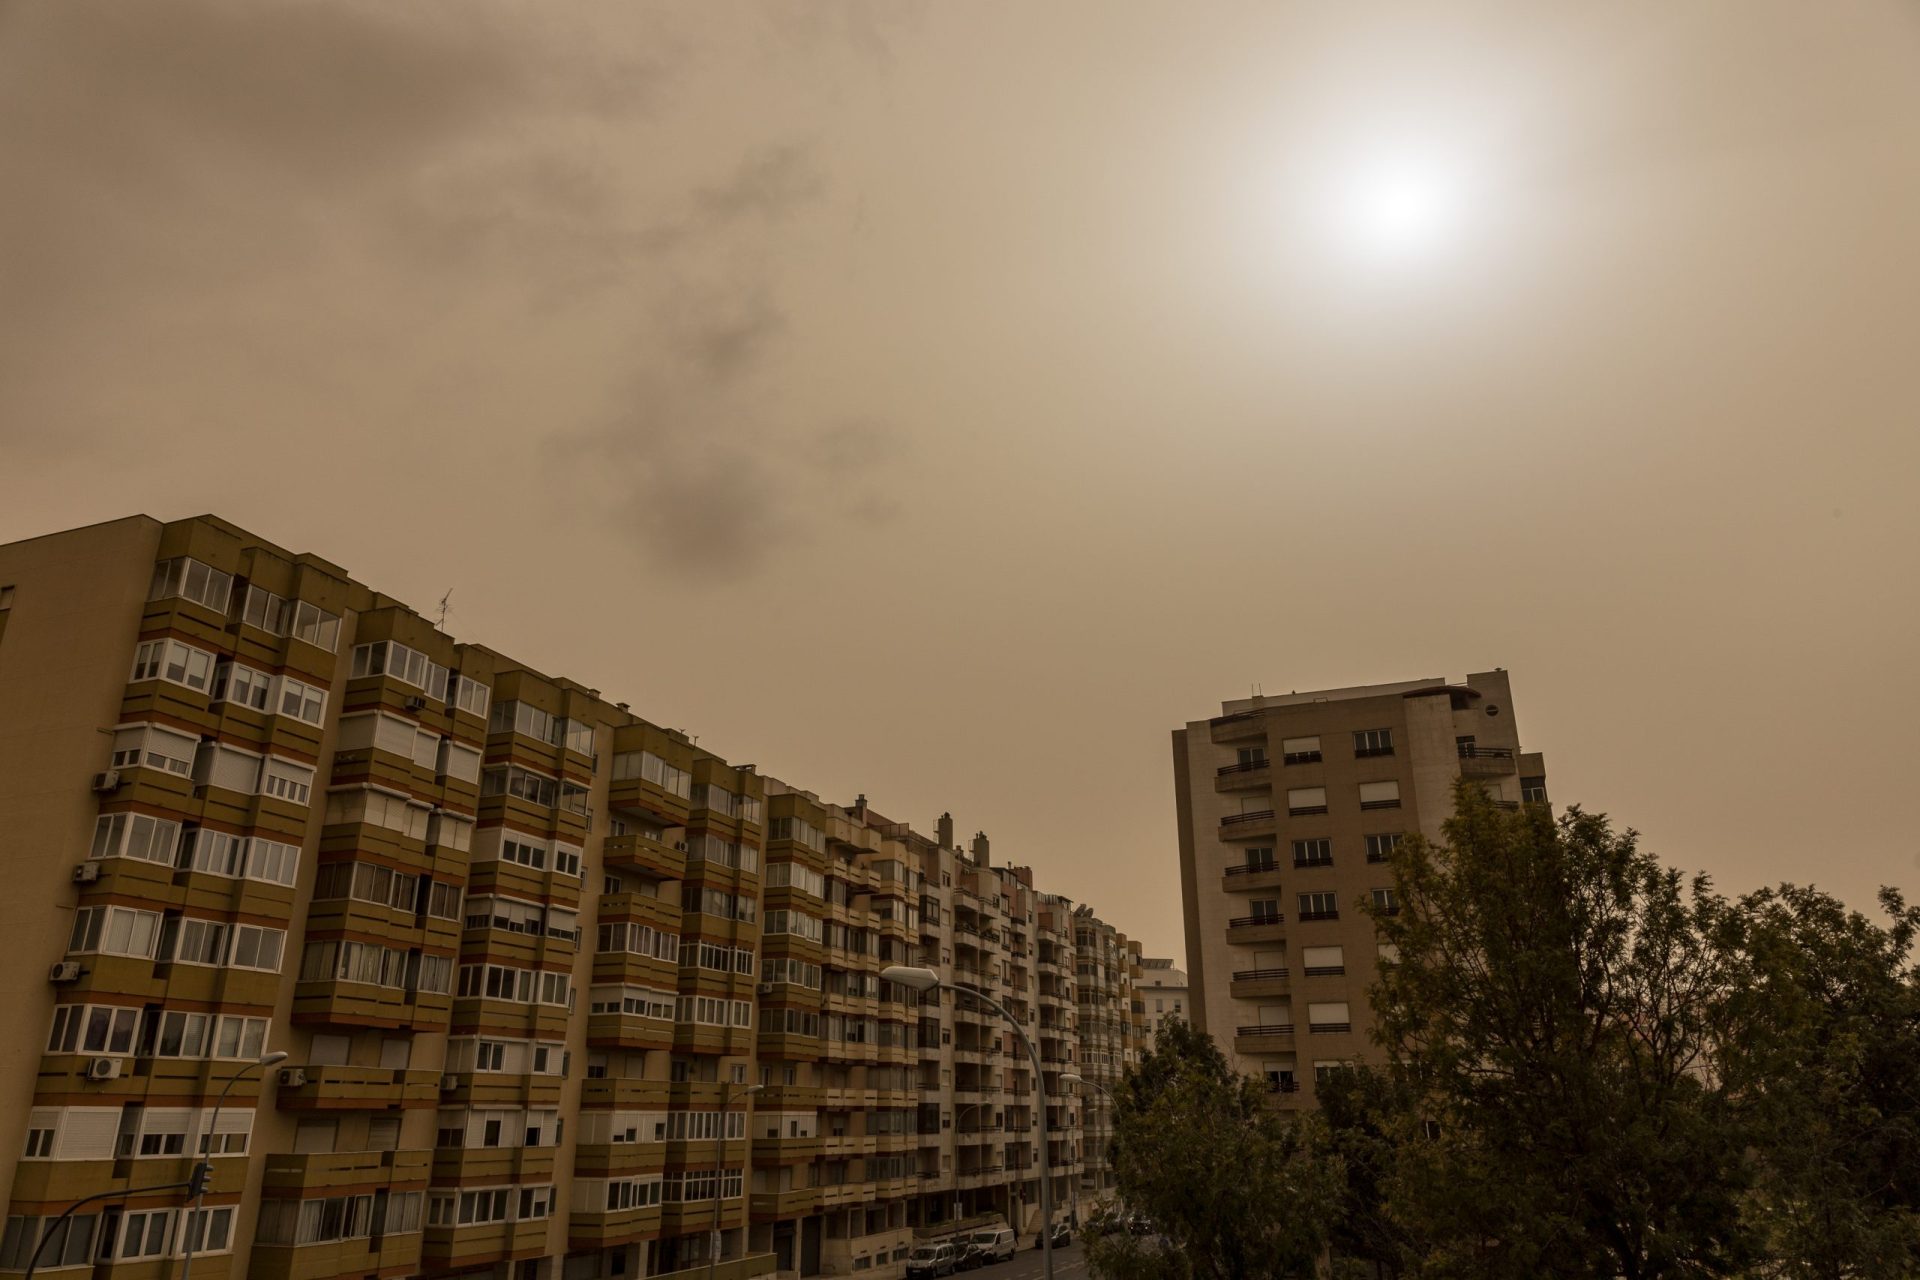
x,y
1401,208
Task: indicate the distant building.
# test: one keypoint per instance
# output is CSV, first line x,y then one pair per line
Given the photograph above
x,y
1289,810
1163,989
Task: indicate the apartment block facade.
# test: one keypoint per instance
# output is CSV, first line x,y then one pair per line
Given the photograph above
x,y
563,995
1289,810
1163,990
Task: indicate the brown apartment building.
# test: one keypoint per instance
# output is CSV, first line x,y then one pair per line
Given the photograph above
x,y
1289,810
557,988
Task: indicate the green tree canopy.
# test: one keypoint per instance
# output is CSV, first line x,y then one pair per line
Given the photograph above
x,y
1546,1023
1234,1189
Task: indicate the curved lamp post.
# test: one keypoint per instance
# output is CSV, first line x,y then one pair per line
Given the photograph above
x,y
918,979
203,1171
727,1095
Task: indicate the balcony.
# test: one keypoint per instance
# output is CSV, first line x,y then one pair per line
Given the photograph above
x,y
1253,984
1272,1037
1247,826
1486,762
336,1087
1243,777
1333,914
1370,805
1250,876
660,859
1248,929
319,1173
1242,726
1329,1028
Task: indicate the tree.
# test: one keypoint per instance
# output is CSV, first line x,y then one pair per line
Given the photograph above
x,y
1234,1190
1818,1040
1546,1023
1366,1116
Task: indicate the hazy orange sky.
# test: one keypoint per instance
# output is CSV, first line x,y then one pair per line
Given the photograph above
x,y
943,402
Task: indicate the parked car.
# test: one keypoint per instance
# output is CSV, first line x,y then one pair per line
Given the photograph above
x,y
1062,1237
931,1260
991,1244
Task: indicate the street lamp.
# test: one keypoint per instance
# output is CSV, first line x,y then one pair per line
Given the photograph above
x,y
203,1171
916,978
719,1168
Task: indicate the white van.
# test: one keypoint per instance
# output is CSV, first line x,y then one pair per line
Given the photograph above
x,y
992,1244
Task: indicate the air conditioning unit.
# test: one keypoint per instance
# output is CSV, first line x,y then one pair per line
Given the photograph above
x,y
416,703
86,873
293,1077
65,971
765,989
103,1069
106,781
449,1083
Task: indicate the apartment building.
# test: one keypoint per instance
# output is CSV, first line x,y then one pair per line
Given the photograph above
x,y
1112,1035
1163,990
1289,810
561,993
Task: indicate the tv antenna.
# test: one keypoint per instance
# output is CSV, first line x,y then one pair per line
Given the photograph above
x,y
441,625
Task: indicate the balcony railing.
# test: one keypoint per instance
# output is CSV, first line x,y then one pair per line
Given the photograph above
x,y
1258,975
1245,766
1252,868
1266,1029
1321,915
1306,810
1285,1084
1301,864
1391,804
1235,819
1275,918
1300,757
1470,752
1324,970
1329,1028
1369,753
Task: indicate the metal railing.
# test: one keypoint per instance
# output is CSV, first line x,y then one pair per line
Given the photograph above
x,y
1275,918
1245,766
1470,752
1235,819
1265,1029
1258,975
1252,868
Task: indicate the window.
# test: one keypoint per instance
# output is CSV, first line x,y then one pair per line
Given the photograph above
x,y
1300,750
141,1233
191,580
1324,962
1386,902
1533,790
1306,800
468,695
1372,742
649,767
1265,909
804,833
1319,906
71,1243
152,747
1380,848
174,662
1313,853
1380,795
301,701
316,626
285,780
1260,858
135,835
261,609
795,876
521,784
1327,1017
235,682
185,941
1324,1071
396,661
257,947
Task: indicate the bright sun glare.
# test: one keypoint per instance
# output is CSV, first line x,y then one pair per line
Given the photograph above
x,y
1402,208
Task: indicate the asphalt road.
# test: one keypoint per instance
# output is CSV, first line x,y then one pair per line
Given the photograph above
x,y
1069,1263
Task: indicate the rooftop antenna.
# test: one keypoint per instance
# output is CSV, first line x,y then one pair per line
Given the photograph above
x,y
441,625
